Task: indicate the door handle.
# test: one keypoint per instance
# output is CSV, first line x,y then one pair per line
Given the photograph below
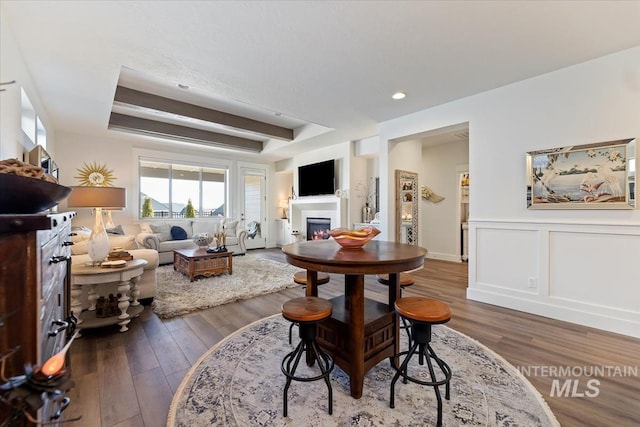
x,y
59,258
62,326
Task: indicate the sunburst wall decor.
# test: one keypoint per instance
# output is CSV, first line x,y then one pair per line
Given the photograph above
x,y
95,175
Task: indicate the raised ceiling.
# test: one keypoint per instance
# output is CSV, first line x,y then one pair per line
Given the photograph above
x,y
328,69
148,106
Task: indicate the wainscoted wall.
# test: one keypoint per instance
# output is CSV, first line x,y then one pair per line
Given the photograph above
x,y
585,273
585,264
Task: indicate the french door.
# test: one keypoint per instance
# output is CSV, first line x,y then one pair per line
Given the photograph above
x,y
253,205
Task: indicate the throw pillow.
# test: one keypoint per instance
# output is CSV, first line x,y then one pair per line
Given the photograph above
x,y
178,233
80,234
116,230
79,239
125,242
163,230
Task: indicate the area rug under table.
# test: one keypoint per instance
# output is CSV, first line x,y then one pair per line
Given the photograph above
x,y
252,276
239,383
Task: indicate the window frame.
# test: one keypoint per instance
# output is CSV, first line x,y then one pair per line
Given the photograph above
x,y
182,160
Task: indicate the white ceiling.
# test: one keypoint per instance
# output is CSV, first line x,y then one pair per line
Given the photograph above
x,y
332,64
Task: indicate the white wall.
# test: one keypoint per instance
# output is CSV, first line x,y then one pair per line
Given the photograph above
x,y
12,67
440,233
365,168
584,262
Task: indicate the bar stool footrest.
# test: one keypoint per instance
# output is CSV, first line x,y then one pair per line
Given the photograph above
x,y
314,356
446,370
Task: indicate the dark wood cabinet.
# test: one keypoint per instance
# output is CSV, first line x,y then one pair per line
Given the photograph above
x,y
34,292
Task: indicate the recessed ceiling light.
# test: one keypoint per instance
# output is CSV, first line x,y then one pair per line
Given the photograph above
x,y
398,95
181,86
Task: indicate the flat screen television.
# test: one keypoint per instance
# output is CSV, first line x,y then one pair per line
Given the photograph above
x,y
317,179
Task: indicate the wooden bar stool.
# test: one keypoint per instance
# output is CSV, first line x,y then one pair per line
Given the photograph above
x,y
301,278
422,313
406,280
307,312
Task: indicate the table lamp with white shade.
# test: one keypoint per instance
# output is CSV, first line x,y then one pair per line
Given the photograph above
x,y
284,204
98,198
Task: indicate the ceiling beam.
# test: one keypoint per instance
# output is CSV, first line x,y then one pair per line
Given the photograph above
x,y
138,98
156,128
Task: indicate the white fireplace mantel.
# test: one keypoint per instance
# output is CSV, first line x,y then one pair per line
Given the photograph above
x,y
331,207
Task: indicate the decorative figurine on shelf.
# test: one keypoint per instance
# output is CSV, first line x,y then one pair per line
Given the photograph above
x,y
113,305
107,307
221,241
100,307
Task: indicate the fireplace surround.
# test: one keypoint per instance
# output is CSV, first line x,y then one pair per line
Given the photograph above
x,y
331,207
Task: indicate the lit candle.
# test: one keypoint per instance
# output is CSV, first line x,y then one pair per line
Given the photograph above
x,y
56,362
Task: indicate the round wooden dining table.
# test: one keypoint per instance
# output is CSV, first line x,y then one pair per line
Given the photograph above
x,y
361,332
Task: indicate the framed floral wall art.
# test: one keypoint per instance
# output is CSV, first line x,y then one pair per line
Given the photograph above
x,y
591,176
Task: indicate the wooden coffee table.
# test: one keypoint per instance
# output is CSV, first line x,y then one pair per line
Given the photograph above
x,y
198,262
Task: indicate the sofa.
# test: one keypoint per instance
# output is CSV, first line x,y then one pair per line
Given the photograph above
x,y
165,236
148,284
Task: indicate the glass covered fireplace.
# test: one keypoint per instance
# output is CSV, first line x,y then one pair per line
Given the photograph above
x,y
318,228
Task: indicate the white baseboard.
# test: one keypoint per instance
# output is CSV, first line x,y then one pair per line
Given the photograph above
x,y
444,257
557,311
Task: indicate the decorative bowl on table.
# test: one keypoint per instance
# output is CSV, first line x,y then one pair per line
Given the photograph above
x,y
353,239
203,240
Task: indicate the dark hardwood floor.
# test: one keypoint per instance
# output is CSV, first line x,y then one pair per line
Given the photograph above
x,y
128,379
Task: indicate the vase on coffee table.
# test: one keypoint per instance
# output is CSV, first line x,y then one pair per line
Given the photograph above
x,y
203,240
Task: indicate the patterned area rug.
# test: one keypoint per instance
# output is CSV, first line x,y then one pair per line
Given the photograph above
x,y
252,276
239,383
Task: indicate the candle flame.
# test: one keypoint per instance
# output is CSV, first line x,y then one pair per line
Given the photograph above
x,y
53,365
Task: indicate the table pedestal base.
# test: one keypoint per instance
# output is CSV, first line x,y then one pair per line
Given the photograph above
x,y
379,342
